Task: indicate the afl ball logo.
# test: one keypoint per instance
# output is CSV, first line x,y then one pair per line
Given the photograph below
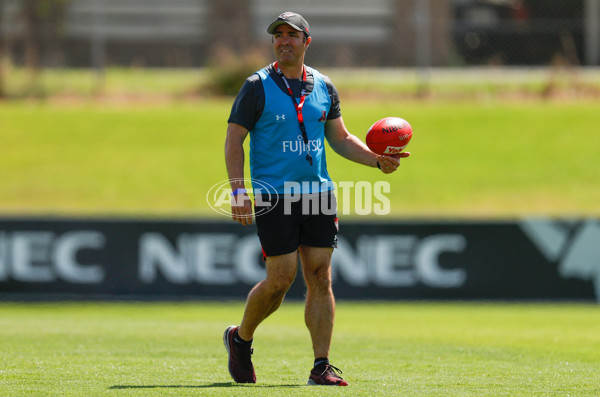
x,y
219,196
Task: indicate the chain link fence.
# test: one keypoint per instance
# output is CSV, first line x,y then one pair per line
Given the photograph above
x,y
422,34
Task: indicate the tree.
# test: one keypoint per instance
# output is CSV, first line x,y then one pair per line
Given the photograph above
x,y
42,20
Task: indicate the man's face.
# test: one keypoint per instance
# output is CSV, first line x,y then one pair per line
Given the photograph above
x,y
289,45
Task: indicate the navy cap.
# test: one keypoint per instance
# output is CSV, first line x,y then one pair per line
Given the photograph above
x,y
293,19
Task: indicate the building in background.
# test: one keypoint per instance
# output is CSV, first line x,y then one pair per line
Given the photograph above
x,y
347,33
518,32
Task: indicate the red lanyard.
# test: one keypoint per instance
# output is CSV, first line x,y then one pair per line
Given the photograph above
x,y
297,106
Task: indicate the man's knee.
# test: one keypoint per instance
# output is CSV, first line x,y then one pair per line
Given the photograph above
x,y
281,273
279,284
319,278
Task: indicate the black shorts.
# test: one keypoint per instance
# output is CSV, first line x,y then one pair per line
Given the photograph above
x,y
284,224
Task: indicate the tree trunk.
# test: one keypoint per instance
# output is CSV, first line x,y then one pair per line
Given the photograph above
x,y
33,36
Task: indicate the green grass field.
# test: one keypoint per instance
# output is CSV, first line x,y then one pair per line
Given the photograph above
x,y
418,349
476,158
470,159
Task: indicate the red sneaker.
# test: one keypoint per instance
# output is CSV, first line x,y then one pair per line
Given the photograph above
x,y
328,377
240,363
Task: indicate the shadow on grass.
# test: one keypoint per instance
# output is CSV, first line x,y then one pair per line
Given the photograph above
x,y
212,385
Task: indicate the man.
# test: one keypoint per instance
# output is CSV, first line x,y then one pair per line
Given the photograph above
x,y
289,109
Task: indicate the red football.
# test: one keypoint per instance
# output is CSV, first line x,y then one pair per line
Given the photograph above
x,y
389,136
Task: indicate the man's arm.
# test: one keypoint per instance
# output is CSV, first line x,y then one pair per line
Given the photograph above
x,y
241,206
352,148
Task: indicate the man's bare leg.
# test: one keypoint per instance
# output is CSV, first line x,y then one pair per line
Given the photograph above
x,y
319,312
267,295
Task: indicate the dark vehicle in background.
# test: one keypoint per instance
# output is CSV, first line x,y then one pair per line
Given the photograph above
x,y
518,32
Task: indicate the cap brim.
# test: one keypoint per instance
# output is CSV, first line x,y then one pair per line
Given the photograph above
x,y
275,24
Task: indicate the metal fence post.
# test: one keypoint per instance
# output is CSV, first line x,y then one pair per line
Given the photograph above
x,y
423,28
98,39
592,32
423,41
2,49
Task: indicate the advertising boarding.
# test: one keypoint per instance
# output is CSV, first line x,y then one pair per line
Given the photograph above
x,y
528,259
